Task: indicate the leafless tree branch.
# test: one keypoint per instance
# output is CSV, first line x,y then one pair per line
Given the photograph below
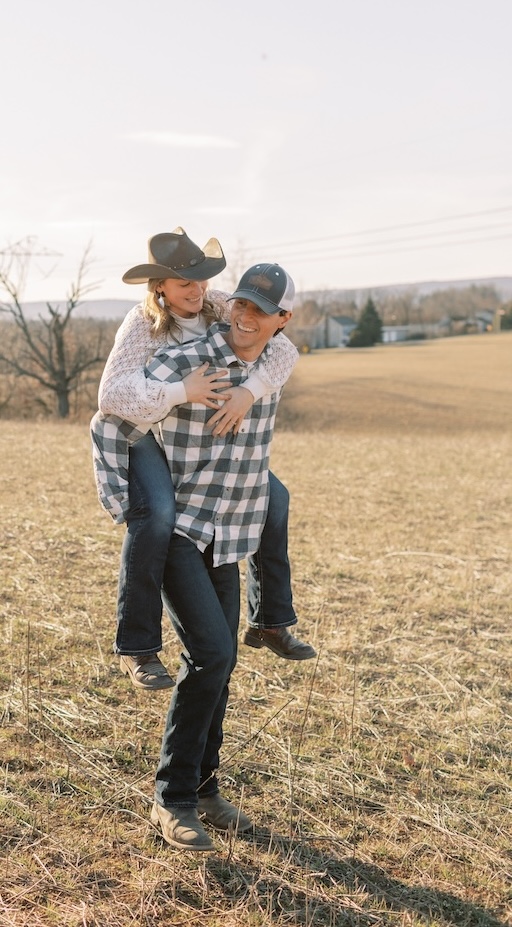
x,y
49,352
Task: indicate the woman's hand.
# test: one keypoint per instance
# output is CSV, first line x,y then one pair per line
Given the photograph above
x,y
232,413
202,387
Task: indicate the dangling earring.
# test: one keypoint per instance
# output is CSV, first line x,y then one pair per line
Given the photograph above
x,y
160,300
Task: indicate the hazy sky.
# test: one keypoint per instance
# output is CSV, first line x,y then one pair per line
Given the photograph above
x,y
357,143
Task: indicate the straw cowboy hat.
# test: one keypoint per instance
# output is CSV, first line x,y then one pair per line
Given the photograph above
x,y
173,254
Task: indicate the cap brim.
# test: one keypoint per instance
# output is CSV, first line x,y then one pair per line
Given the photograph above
x,y
208,268
260,301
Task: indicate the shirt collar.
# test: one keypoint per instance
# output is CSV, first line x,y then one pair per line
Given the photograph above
x,y
216,334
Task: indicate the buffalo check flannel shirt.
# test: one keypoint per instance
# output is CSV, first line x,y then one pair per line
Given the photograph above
x,y
221,484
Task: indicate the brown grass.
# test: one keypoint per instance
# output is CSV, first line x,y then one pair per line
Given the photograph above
x,y
379,776
453,384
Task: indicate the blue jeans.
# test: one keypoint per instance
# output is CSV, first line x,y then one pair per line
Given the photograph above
x,y
269,589
150,524
204,605
149,527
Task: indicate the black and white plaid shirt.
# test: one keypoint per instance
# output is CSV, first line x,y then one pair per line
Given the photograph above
x,y
221,484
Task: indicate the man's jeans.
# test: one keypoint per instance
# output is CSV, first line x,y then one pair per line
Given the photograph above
x,y
149,527
204,604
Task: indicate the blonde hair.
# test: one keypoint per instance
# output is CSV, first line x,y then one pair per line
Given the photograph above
x,y
163,323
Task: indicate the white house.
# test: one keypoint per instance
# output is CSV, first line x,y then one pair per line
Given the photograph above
x,y
333,331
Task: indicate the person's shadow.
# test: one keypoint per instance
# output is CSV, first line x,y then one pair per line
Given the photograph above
x,y
351,878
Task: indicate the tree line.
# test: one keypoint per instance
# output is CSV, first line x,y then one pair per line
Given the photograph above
x,y
457,307
52,364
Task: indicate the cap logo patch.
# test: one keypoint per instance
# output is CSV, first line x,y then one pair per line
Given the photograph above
x,y
260,281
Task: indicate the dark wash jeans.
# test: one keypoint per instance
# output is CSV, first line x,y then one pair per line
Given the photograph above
x,y
149,527
204,606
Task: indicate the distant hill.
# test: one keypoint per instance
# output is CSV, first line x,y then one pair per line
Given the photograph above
x,y
503,286
89,309
117,308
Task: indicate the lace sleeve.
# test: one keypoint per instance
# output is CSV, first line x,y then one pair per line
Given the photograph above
x,y
277,361
220,301
124,390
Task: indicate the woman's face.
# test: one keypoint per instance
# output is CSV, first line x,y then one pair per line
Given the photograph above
x,y
184,297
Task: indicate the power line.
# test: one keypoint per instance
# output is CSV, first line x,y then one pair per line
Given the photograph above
x,y
343,252
347,250
388,228
441,244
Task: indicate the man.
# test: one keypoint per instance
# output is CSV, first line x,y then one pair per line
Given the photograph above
x,y
146,502
221,486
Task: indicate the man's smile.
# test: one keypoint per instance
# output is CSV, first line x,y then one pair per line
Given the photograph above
x,y
244,328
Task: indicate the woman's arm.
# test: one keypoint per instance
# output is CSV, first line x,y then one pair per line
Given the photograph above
x,y
127,393
274,367
124,390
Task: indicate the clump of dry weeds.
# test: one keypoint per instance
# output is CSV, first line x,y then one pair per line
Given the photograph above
x,y
378,776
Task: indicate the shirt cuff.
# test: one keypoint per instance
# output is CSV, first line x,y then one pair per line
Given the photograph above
x,y
257,386
175,394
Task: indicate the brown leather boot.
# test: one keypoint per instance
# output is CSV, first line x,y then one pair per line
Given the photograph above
x,y
146,671
221,814
181,828
280,641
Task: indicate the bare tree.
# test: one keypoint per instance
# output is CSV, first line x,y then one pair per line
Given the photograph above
x,y
49,350
458,303
397,308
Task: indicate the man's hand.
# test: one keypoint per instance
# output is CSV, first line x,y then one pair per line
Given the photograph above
x,y
203,387
232,413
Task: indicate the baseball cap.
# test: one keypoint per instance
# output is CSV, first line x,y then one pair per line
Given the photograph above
x,y
268,286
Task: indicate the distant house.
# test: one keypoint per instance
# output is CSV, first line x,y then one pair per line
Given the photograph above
x,y
392,333
412,332
333,331
485,320
481,322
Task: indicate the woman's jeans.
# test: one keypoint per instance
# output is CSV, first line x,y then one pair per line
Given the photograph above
x,y
150,523
204,604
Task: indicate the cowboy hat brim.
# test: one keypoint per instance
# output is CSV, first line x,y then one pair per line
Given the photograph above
x,y
144,272
203,271
193,263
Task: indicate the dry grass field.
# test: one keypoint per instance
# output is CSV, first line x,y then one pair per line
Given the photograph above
x,y
379,776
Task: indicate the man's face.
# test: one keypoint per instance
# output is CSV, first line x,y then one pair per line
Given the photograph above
x,y
251,328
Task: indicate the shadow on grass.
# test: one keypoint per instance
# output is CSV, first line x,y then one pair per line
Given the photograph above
x,y
371,895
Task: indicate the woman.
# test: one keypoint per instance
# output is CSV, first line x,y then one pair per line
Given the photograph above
x,y
134,482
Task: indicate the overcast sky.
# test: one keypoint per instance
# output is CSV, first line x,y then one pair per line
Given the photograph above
x,y
357,143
